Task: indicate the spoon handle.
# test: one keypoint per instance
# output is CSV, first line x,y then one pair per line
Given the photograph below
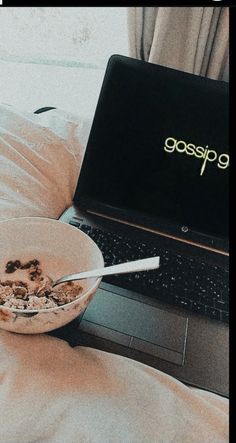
x,y
132,266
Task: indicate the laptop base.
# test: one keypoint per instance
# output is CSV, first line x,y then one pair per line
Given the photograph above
x,y
187,346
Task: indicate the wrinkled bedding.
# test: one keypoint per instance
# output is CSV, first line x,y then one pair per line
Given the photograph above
x,y
53,393
40,159
49,392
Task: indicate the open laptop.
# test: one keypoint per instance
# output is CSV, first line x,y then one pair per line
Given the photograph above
x,y
154,181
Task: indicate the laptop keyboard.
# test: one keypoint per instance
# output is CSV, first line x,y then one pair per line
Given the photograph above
x,y
205,290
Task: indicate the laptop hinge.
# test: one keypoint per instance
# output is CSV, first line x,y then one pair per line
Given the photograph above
x,y
155,231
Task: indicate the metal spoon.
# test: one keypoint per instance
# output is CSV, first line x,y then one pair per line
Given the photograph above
x,y
132,266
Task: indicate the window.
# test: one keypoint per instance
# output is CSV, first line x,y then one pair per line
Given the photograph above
x,y
64,45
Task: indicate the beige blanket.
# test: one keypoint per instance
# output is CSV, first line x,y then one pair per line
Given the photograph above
x,y
55,394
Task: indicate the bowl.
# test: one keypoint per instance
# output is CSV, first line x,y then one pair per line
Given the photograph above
x,y
61,249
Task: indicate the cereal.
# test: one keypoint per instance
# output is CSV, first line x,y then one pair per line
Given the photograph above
x,y
36,291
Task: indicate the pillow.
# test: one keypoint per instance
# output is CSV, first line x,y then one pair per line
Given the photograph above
x,y
40,160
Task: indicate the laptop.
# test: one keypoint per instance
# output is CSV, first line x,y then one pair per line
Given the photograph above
x,y
154,182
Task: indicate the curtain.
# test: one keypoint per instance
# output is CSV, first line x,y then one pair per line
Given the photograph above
x,y
191,39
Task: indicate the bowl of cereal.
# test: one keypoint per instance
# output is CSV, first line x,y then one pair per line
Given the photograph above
x,y
34,252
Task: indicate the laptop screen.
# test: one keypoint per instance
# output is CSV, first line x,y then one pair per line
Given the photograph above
x,y
158,150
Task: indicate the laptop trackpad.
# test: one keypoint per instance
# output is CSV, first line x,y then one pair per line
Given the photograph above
x,y
136,325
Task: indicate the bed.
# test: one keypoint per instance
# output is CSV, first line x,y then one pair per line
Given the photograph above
x,y
52,392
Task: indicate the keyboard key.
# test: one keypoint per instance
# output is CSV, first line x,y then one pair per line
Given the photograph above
x,y
183,302
221,304
74,223
86,229
213,313
198,307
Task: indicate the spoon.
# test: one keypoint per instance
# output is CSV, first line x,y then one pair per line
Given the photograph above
x,y
132,266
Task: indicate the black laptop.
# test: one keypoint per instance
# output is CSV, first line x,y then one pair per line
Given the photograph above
x,y
154,182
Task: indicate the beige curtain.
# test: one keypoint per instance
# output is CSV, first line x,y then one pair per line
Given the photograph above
x,y
191,39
